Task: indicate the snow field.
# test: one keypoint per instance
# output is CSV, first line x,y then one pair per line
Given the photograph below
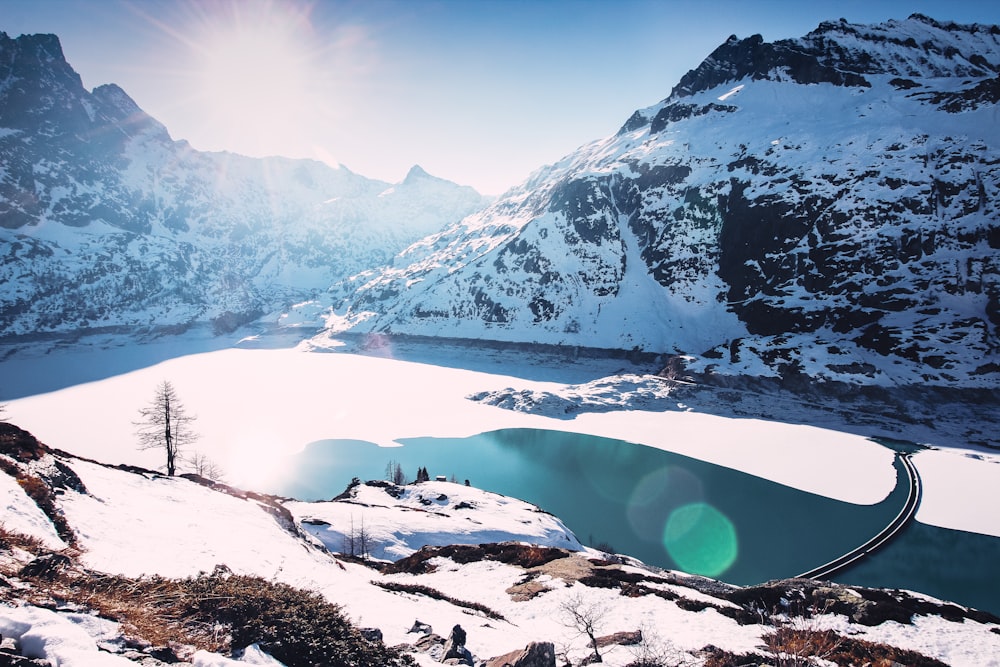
x,y
137,525
62,639
431,520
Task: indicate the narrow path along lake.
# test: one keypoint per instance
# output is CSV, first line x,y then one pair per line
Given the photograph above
x,y
663,508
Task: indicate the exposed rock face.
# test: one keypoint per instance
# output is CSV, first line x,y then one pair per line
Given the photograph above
x,y
420,627
105,221
624,638
454,652
20,445
824,206
535,654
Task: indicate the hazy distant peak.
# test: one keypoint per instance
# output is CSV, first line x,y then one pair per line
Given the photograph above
x,y
416,172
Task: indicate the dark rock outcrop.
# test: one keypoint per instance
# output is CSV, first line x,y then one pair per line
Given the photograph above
x,y
535,654
454,651
19,444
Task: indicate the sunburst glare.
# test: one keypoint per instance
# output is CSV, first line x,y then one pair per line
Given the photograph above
x,y
263,78
255,77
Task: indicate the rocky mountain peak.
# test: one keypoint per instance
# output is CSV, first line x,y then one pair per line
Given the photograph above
x,y
114,97
120,109
40,89
843,54
39,47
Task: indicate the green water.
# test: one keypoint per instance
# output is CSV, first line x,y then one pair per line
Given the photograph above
x,y
948,564
663,508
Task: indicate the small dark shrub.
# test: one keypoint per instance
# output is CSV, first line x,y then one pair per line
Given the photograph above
x,y
719,658
12,539
19,444
435,594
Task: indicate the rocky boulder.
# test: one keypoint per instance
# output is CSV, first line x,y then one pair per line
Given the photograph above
x,y
535,654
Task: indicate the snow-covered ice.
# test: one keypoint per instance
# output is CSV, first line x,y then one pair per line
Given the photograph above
x,y
256,408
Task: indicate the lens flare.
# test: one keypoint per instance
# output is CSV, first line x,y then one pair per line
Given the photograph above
x,y
701,539
260,77
596,458
656,495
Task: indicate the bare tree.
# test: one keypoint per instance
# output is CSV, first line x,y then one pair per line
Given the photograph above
x,y
357,542
652,651
350,547
364,541
165,425
206,467
584,617
394,473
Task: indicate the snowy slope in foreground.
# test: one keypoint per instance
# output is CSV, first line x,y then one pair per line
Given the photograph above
x,y
247,538
130,522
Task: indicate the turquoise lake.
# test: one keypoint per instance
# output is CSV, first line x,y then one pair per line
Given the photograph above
x,y
674,511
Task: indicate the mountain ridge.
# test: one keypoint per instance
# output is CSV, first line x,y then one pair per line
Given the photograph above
x,y
843,228
109,223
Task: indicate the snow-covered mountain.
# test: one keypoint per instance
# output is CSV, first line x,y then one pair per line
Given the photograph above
x,y
826,205
116,565
105,221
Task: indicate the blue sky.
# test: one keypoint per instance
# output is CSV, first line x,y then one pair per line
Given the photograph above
x,y
481,92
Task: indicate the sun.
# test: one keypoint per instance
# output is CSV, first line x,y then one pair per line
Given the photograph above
x,y
257,76
254,78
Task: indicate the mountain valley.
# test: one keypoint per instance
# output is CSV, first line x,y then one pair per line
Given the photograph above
x,y
788,268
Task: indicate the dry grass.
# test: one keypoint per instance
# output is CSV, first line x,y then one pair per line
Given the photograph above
x,y
10,539
435,594
802,646
794,647
150,610
219,612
